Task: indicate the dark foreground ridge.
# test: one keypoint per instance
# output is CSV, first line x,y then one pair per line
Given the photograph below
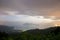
x,y
54,30
52,33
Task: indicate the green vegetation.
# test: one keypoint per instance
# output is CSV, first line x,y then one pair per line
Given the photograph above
x,y
35,34
29,36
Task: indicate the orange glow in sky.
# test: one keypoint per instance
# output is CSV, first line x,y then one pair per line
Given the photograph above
x,y
56,23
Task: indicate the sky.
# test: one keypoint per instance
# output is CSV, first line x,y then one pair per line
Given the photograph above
x,y
44,13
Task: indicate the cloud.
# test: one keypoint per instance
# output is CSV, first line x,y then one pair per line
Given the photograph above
x,y
26,22
32,7
11,12
24,18
19,21
29,11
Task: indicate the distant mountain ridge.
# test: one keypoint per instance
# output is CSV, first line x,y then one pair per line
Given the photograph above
x,y
9,29
55,30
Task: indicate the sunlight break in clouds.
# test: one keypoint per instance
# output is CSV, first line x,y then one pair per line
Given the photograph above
x,y
25,18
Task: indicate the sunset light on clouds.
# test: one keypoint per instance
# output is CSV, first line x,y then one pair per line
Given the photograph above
x,y
45,13
42,21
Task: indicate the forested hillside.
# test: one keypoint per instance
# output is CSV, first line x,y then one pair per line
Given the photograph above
x,y
52,33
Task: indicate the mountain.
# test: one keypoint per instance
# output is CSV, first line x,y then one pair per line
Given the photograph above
x,y
22,26
52,33
54,30
8,29
27,26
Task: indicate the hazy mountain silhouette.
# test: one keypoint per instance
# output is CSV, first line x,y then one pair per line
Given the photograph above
x,y
8,29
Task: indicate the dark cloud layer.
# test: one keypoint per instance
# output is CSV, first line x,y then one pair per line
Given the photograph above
x,y
33,7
